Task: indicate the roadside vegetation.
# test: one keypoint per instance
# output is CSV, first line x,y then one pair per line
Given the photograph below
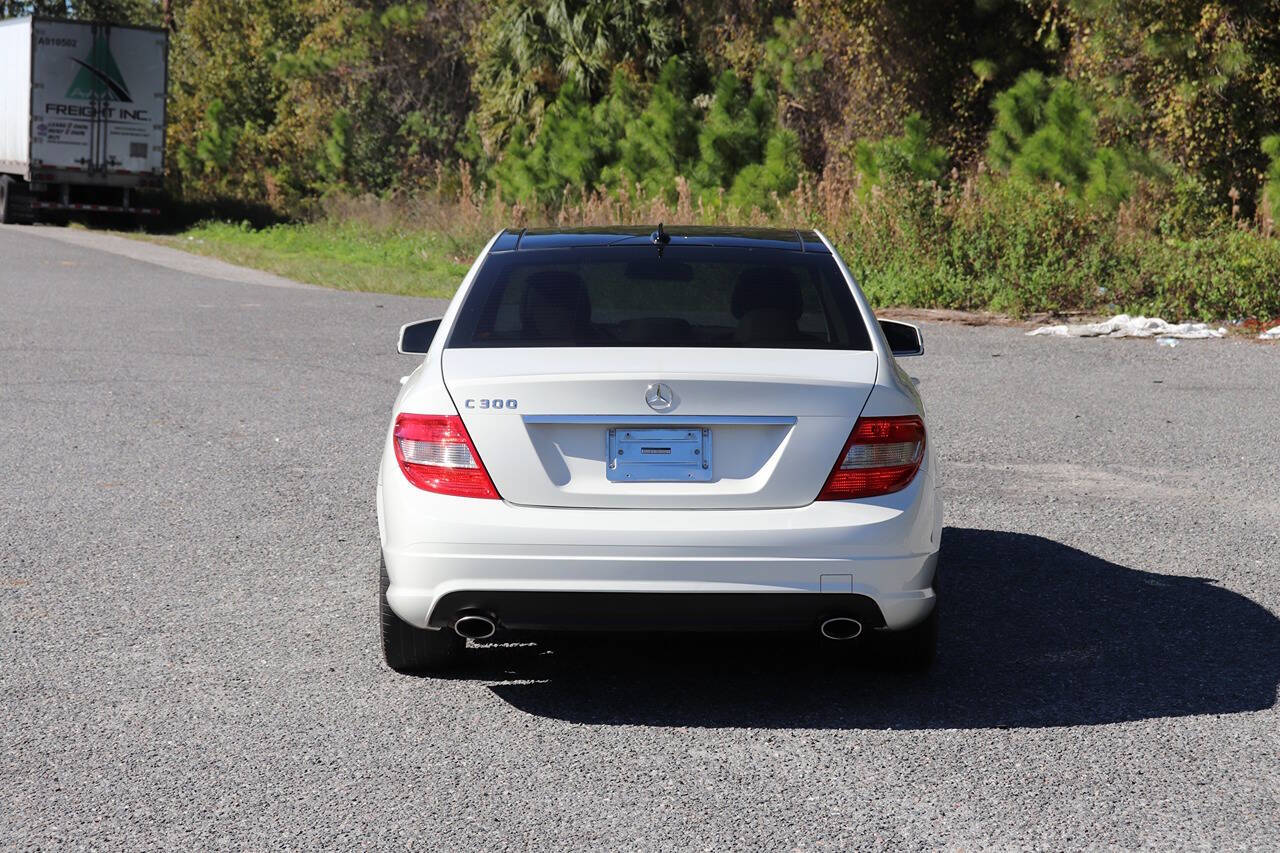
x,y
368,251
1012,155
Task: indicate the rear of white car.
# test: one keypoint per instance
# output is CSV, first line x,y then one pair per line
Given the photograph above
x,y
613,430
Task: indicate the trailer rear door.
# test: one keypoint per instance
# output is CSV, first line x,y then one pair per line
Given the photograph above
x,y
98,98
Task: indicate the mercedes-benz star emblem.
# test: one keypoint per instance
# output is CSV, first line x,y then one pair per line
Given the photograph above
x,y
659,397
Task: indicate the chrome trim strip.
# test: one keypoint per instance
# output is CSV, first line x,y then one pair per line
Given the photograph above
x,y
657,420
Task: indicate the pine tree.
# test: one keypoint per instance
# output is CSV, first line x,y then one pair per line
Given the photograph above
x,y
1019,112
733,134
660,143
1271,189
565,156
909,157
1046,133
756,185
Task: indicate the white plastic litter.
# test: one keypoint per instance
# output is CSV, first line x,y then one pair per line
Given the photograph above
x,y
1167,342
1270,334
1124,326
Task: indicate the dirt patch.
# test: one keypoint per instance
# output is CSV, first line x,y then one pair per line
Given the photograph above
x,y
964,318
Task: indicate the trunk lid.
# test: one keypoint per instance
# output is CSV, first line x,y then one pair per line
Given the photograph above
x,y
745,429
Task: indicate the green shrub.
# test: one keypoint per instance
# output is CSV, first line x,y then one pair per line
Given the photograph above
x,y
1184,206
1007,246
1229,274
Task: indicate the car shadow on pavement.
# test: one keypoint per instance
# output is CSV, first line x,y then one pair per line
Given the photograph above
x,y
1033,633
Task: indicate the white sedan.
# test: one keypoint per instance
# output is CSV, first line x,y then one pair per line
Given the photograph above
x,y
628,429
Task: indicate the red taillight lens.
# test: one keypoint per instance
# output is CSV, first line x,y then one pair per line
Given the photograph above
x,y
435,453
880,457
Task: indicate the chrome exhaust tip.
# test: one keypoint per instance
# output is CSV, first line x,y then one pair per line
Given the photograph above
x,y
840,628
474,627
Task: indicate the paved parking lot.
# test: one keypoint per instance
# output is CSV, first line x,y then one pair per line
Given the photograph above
x,y
188,552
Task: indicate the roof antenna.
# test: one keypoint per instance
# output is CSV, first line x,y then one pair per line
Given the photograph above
x,y
660,239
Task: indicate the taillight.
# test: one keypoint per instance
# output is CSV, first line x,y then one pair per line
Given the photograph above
x,y
435,453
880,457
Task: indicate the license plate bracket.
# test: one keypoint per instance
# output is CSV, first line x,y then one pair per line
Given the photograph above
x,y
670,454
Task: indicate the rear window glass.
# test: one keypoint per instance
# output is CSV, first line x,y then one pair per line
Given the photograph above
x,y
689,297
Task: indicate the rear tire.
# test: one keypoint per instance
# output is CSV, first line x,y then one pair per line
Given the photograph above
x,y
914,649
15,202
407,649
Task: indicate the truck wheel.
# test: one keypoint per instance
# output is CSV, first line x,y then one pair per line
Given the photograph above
x,y
15,202
414,650
6,200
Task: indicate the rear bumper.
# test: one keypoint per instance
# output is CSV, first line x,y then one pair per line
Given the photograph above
x,y
94,208
873,559
539,590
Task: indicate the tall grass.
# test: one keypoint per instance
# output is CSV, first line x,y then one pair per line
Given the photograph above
x,y
981,243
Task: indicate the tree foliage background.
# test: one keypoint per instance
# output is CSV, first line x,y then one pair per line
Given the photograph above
x,y
285,100
1098,124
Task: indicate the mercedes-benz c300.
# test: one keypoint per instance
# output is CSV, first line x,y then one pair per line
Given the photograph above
x,y
681,429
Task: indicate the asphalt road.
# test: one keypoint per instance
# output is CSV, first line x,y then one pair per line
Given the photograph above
x,y
188,651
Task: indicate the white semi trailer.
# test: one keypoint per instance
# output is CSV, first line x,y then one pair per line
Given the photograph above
x,y
82,117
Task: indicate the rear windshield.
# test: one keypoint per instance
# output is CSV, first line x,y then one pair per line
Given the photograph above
x,y
691,296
